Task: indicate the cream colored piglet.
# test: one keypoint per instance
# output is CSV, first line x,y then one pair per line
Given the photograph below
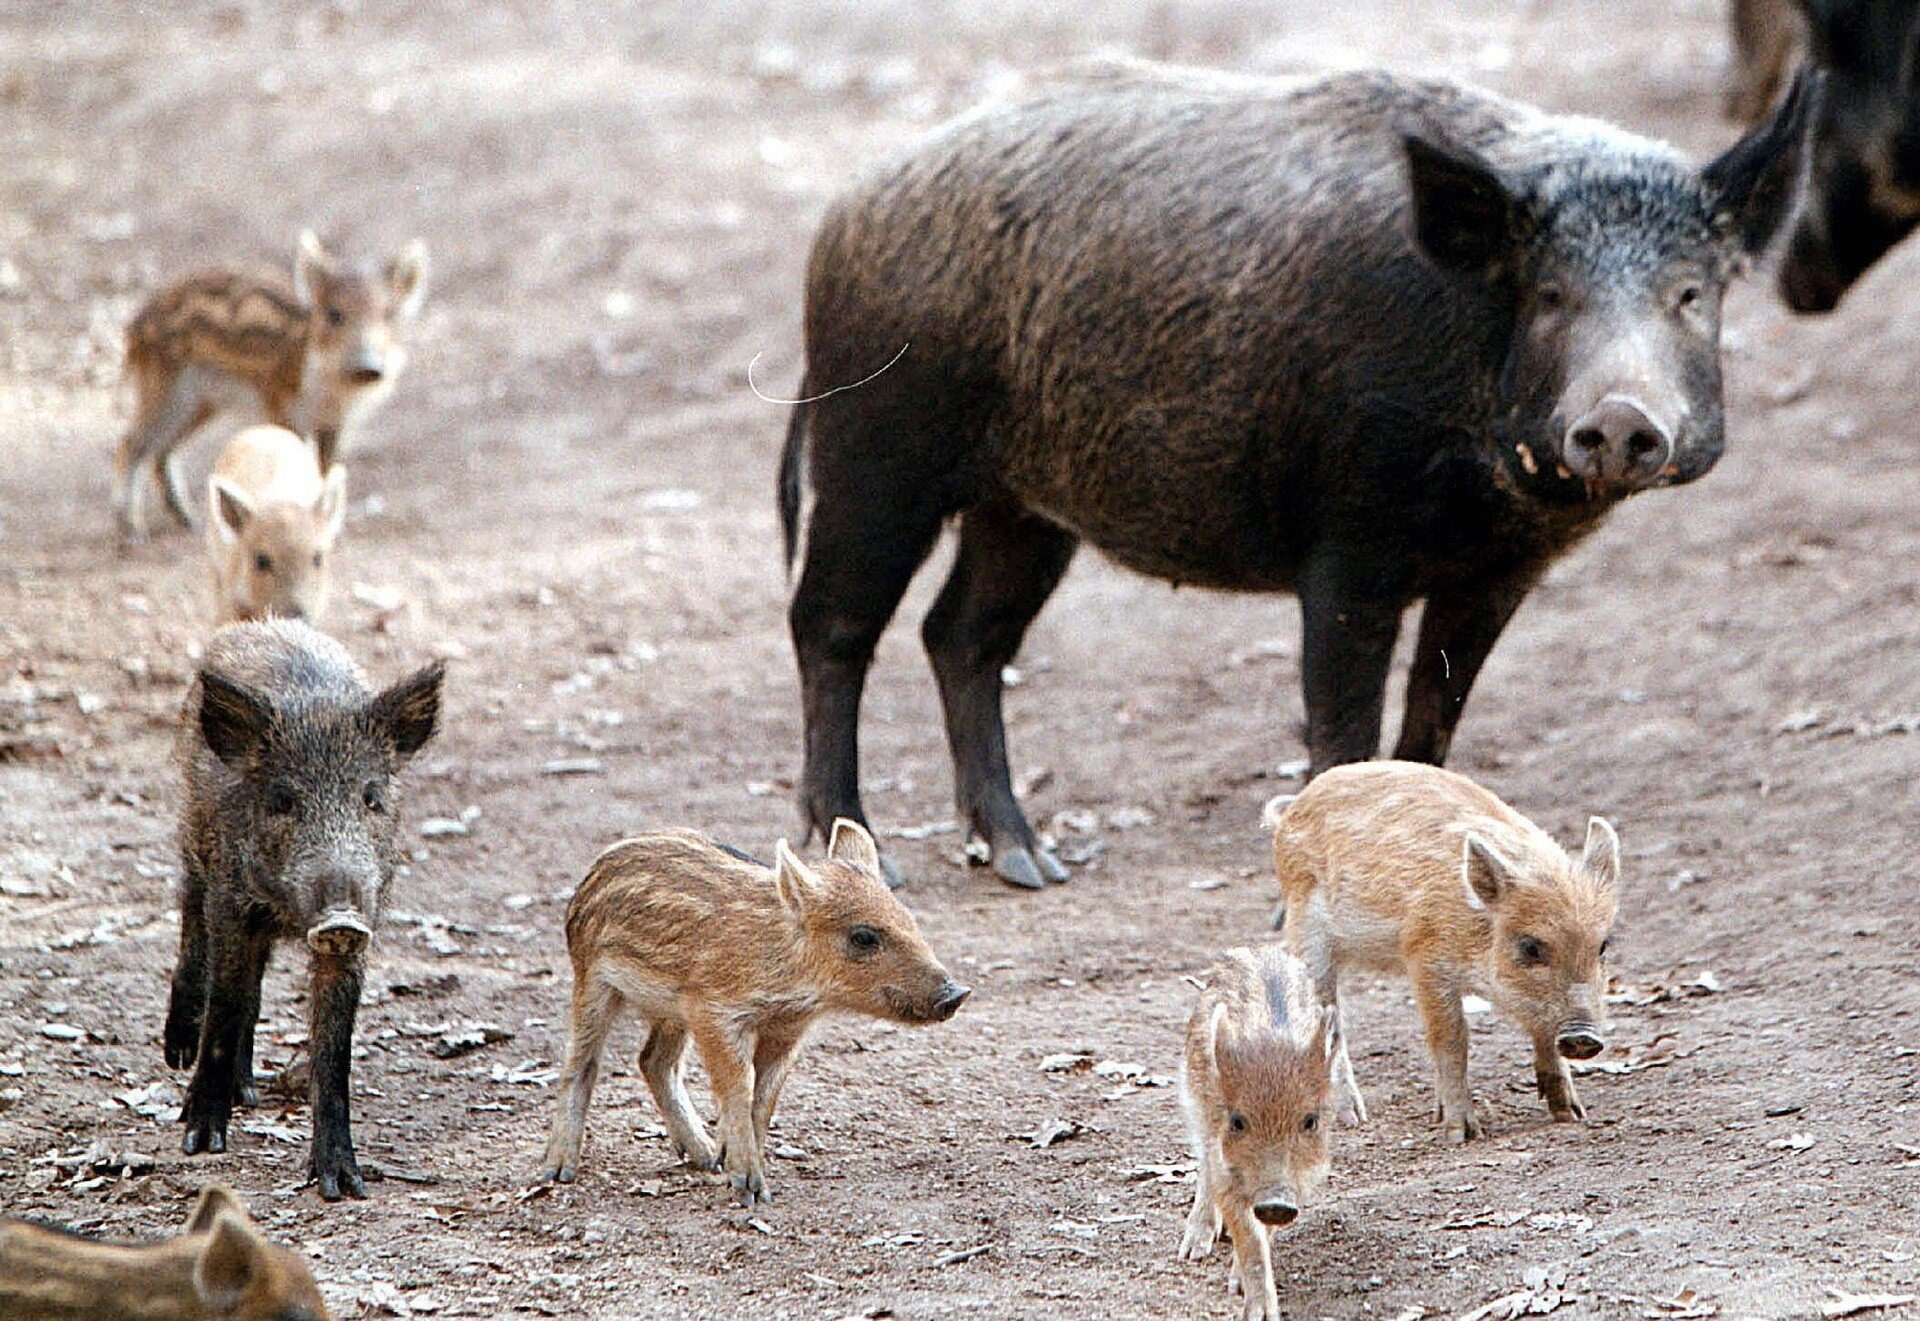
x,y
271,523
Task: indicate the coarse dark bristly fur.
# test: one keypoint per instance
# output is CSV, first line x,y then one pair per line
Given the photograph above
x,y
291,766
1320,337
1863,193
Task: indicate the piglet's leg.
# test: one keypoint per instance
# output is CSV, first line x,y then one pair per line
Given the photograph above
x,y
660,1060
1555,1080
773,1057
1353,1109
1446,1022
728,1056
335,999
595,1006
1203,1221
232,1001
1252,1266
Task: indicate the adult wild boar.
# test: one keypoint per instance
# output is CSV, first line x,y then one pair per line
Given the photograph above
x,y
1863,193
1367,338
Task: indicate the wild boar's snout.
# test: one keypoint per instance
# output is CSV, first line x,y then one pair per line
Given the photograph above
x,y
1276,1207
1618,445
340,932
1580,1041
367,366
947,1003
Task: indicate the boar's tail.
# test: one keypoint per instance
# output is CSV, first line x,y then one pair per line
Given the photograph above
x,y
1275,809
791,460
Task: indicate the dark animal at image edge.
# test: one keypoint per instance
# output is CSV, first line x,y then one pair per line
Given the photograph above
x,y
1863,190
291,765
1367,339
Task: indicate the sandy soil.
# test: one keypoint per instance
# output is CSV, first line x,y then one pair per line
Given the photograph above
x,y
571,495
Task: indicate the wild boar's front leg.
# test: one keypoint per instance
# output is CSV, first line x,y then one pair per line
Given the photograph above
x,y
233,997
1351,618
1203,1220
773,1057
1555,1081
728,1054
187,1005
1458,628
1438,996
335,1001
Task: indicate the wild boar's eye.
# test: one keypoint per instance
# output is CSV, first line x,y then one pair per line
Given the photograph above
x,y
1531,951
280,801
373,798
1689,296
335,317
263,561
1237,1123
863,940
1550,297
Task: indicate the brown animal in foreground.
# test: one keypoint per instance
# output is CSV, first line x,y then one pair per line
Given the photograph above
x,y
272,520
1402,867
700,941
221,1269
314,356
1258,1069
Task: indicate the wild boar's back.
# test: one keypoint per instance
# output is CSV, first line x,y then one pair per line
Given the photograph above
x,y
1179,300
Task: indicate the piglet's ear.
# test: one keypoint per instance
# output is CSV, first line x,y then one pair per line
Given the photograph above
x,y
311,268
1600,859
852,843
407,278
796,882
1463,212
1219,1038
1488,875
228,508
233,1255
233,717
410,710
1756,181
214,1198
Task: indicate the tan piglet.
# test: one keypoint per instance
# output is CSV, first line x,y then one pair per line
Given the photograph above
x,y
1400,867
699,941
272,520
220,1269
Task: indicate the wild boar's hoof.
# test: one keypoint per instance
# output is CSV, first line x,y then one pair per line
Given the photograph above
x,y
203,1136
338,1177
182,1038
1028,869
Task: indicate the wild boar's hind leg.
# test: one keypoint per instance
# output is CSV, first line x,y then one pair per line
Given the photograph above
x,y
660,1064
596,1006
1008,564
773,1056
166,467
879,497
335,1000
1458,628
1351,618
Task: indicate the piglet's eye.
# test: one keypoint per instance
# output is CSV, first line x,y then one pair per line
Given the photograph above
x,y
1605,945
863,940
1530,951
263,561
1237,1123
1689,296
1310,1123
1550,297
335,317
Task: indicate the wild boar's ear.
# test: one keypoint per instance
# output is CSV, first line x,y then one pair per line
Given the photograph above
x,y
311,267
1488,875
331,507
214,1198
233,717
795,881
1220,1039
230,508
1600,859
852,842
410,710
407,278
1755,182
1462,211
233,1255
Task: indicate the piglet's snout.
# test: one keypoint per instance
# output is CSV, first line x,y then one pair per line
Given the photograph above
x,y
1276,1207
1580,1041
342,933
367,367
1617,445
949,1000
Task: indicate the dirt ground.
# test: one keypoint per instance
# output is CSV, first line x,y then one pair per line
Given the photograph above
x,y
571,496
